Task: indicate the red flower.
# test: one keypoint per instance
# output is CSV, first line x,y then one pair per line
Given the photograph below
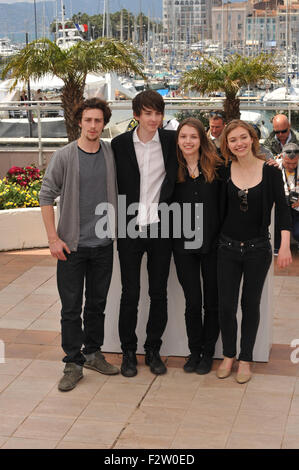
x,y
15,170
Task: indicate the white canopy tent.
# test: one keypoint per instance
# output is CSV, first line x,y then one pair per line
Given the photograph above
x,y
105,86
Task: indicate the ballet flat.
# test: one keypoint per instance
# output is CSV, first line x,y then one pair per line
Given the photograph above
x,y
223,373
243,378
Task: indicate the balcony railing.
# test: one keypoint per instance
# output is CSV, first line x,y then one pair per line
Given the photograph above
x,y
37,124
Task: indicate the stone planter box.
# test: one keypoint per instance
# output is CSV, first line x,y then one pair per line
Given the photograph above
x,y
22,228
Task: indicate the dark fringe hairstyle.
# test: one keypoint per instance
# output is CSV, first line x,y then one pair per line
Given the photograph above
x,y
148,99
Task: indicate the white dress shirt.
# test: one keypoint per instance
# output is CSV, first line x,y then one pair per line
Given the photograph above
x,y
152,173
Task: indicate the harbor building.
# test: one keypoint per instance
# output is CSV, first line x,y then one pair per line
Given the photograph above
x,y
259,26
188,21
229,23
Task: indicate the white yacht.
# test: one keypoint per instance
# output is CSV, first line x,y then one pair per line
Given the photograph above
x,y
6,48
68,37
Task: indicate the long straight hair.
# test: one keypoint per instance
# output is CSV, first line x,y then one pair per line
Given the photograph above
x,y
227,154
208,157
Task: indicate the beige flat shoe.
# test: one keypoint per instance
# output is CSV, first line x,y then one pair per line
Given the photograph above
x,y
223,373
243,378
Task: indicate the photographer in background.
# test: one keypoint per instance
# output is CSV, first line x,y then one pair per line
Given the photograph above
x,y
288,163
263,150
217,123
281,135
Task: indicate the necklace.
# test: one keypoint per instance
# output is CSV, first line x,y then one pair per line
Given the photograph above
x,y
192,171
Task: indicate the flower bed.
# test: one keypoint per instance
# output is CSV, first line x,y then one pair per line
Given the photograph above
x,y
20,215
20,187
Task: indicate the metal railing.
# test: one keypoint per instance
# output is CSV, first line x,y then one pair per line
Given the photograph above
x,y
35,111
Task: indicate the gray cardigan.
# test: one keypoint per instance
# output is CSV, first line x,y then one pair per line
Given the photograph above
x,y
62,179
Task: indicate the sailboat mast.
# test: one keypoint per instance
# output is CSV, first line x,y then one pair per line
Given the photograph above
x,y
107,18
121,25
287,46
62,22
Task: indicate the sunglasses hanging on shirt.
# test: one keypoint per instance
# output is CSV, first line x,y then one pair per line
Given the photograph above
x,y
242,194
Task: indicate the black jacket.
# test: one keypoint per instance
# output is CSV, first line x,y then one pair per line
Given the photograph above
x,y
209,194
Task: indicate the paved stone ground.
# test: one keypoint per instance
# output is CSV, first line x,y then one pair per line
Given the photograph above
x,y
175,411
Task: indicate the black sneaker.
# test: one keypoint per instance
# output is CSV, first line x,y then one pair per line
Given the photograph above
x,y
154,361
129,363
205,365
192,362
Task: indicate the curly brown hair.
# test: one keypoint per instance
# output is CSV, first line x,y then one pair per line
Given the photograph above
x,y
208,157
93,103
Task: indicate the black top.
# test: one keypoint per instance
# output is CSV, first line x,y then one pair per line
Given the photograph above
x,y
192,192
272,192
243,225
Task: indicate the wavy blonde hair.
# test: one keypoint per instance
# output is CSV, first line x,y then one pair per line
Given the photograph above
x,y
232,125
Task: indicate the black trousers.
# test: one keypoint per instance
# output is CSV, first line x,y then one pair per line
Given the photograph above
x,y
252,261
202,330
94,267
158,252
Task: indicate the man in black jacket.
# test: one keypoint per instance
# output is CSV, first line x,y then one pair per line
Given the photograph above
x,y
146,166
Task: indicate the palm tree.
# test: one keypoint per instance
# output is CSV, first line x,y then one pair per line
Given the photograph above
x,y
239,71
42,57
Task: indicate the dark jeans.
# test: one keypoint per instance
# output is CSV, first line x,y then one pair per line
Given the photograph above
x,y
295,228
94,266
158,252
202,331
252,261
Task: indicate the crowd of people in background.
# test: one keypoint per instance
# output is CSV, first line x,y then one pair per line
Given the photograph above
x,y
224,171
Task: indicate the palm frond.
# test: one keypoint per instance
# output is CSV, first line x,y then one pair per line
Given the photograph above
x,y
213,74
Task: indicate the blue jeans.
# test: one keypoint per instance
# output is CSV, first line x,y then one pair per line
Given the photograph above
x,y
252,261
94,267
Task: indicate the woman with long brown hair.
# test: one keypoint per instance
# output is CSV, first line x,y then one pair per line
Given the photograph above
x,y
244,247
197,184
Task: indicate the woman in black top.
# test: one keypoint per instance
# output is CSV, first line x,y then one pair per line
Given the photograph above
x,y
198,183
244,248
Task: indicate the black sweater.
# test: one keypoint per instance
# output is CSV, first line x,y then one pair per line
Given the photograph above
x,y
272,192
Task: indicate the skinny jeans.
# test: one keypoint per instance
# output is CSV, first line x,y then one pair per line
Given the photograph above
x,y
201,312
250,260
